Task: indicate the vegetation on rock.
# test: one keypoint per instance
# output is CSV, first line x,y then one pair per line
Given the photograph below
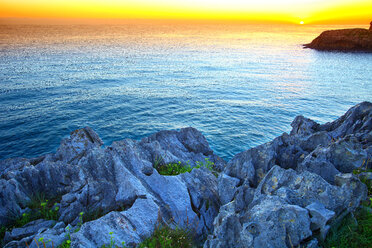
x,y
166,237
173,169
39,208
354,230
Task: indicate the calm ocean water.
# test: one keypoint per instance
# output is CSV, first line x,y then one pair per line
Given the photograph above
x,y
241,85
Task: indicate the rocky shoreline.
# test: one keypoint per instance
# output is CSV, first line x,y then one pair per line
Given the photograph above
x,y
285,193
356,39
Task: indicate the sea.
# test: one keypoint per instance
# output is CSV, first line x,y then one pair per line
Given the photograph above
x,y
240,85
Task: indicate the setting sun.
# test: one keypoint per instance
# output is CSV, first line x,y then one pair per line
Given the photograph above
x,y
301,22
287,11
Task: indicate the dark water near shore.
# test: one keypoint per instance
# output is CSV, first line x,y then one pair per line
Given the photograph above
x,y
240,85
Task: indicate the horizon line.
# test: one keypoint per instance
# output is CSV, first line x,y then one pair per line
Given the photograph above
x,y
103,21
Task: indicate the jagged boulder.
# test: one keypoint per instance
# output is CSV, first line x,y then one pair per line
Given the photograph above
x,y
72,149
286,209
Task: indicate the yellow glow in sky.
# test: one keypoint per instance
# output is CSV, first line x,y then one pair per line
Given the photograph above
x,y
293,11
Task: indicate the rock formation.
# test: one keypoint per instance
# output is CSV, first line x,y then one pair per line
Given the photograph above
x,y
284,193
118,182
356,39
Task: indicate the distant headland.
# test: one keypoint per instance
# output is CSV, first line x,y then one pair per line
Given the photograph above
x,y
355,39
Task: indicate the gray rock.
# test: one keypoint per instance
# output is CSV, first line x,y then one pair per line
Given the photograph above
x,y
115,178
353,190
227,229
356,120
320,216
306,188
12,200
28,231
244,196
227,187
286,208
340,146
12,164
202,188
129,226
303,126
347,154
19,244
187,145
72,149
269,223
252,164
51,238
311,142
284,225
312,244
50,179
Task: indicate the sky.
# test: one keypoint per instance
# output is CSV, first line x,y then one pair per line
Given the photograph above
x,y
287,11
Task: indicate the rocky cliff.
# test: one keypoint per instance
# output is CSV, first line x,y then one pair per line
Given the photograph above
x,y
284,193
356,39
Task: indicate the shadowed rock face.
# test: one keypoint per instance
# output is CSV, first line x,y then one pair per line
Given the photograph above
x,y
357,39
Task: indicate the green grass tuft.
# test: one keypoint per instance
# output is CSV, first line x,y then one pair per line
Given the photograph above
x,y
173,169
165,237
352,232
40,208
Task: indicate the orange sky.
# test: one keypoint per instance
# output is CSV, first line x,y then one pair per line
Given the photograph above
x,y
290,11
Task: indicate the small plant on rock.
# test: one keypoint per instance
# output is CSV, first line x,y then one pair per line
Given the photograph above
x,y
39,208
364,178
166,237
173,169
112,243
42,208
207,164
352,232
80,223
67,242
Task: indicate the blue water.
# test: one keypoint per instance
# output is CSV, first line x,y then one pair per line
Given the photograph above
x,y
241,85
